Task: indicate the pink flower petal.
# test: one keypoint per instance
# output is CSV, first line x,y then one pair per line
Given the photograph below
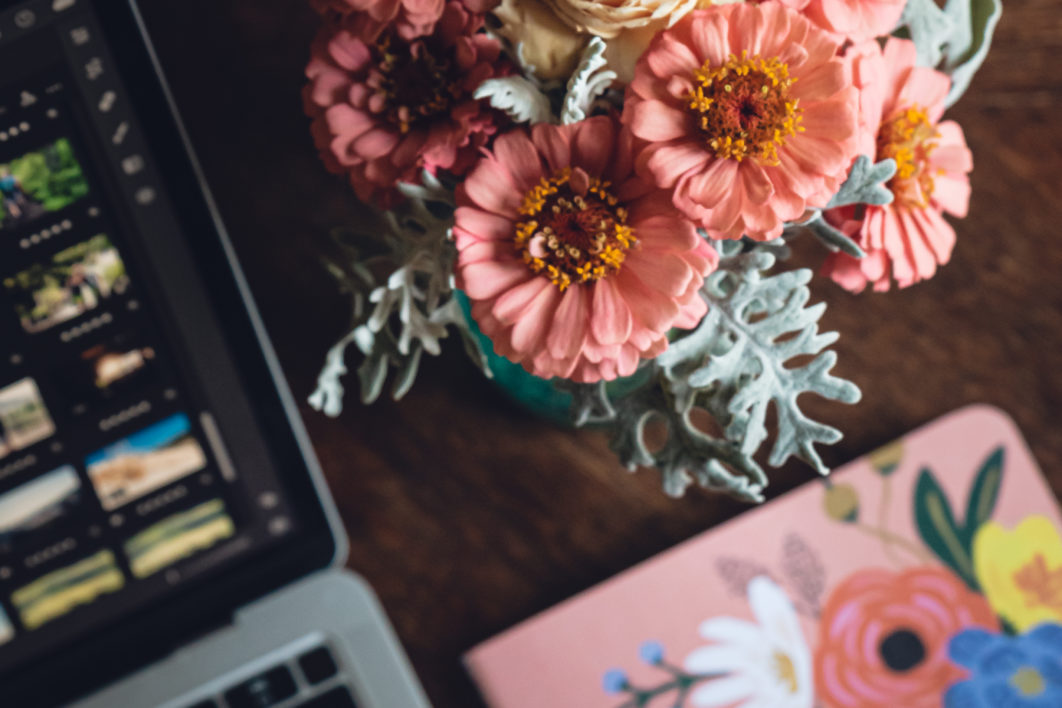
x,y
666,163
486,280
657,122
518,154
568,333
553,144
512,304
611,318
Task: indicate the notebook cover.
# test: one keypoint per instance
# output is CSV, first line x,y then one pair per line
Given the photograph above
x,y
888,585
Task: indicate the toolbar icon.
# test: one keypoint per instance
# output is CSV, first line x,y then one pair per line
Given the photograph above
x,y
80,36
132,164
107,101
120,132
94,68
24,19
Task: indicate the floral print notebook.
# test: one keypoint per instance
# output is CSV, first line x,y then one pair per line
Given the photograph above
x,y
928,573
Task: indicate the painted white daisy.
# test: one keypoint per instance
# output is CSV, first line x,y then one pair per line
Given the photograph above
x,y
766,664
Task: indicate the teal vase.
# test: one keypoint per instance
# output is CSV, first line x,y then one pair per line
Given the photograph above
x,y
538,395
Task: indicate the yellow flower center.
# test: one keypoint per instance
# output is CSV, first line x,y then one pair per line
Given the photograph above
x,y
575,231
785,671
743,107
909,138
1040,584
414,83
1028,682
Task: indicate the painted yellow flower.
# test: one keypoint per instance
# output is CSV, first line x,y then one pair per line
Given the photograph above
x,y
1020,571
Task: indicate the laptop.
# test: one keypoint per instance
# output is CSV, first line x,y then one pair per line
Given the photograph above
x,y
166,537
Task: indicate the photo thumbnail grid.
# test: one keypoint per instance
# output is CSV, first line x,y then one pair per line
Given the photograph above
x,y
131,468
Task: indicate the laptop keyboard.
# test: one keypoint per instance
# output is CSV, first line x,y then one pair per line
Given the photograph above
x,y
306,682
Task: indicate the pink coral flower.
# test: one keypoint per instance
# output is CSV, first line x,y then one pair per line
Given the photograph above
x,y
901,105
857,20
749,116
413,18
384,107
575,267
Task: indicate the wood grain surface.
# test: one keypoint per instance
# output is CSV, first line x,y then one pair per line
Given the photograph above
x,y
468,514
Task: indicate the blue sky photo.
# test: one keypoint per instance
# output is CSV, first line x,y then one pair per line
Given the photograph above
x,y
150,439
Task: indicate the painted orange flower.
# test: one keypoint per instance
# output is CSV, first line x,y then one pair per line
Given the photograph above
x,y
883,638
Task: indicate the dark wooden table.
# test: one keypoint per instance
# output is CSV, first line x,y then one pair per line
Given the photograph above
x,y
468,514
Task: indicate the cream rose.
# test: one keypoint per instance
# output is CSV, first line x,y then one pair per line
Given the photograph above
x,y
553,32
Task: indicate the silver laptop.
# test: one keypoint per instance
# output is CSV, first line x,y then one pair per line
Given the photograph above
x,y
166,539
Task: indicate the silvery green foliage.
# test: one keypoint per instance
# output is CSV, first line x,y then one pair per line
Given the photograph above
x,y
736,364
974,22
866,184
591,79
402,298
954,39
517,96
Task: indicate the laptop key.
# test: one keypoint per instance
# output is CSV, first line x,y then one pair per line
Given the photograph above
x,y
264,690
336,698
318,665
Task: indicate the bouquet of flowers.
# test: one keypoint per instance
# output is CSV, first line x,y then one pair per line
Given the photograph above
x,y
602,192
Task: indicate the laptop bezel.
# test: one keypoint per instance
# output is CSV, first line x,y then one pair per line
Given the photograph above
x,y
149,634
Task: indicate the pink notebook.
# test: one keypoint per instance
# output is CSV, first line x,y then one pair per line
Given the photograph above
x,y
928,573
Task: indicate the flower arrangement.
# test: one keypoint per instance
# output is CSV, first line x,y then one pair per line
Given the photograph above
x,y
970,618
597,198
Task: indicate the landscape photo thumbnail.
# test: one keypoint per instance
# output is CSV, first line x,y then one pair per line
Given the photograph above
x,y
24,419
145,461
178,536
40,182
70,283
61,591
36,504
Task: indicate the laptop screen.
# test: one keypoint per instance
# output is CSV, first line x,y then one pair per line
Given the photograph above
x,y
131,464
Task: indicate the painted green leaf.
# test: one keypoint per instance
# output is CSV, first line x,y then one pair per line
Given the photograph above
x,y
939,531
983,495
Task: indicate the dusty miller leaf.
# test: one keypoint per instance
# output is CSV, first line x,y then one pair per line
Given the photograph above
x,y
866,183
590,79
688,454
929,28
403,301
742,353
973,24
518,97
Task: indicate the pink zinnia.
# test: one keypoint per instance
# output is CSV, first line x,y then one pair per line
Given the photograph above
x,y
575,267
901,105
413,18
384,107
857,20
749,114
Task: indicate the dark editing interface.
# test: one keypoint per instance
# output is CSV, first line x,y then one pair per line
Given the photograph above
x,y
119,482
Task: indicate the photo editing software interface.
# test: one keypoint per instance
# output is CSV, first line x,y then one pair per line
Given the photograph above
x,y
116,485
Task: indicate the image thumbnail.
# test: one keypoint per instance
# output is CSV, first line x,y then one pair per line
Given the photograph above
x,y
40,182
145,461
7,630
177,537
36,504
69,284
57,593
24,420
107,369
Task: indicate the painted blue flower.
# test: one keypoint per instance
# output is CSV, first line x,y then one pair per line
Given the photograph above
x,y
615,681
651,652
1008,672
